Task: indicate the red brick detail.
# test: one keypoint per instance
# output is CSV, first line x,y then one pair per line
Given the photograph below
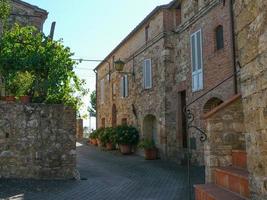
x,y
222,106
235,180
239,159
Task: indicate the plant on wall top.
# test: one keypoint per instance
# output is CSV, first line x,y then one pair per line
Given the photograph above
x,y
26,50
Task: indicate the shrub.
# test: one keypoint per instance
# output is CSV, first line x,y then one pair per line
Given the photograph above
x,y
147,144
108,136
127,135
96,134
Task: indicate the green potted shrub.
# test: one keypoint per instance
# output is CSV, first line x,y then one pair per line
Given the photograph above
x,y
149,148
11,87
126,138
93,137
108,139
99,134
24,82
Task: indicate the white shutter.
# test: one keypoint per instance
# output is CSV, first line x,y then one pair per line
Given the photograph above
x,y
197,63
122,86
144,74
102,90
126,86
147,74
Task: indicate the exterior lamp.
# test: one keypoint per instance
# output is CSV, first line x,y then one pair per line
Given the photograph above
x,y
119,65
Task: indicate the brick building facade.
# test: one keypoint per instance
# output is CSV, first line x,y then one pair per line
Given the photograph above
x,y
162,44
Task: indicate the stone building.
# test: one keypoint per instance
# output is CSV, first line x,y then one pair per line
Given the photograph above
x,y
26,14
159,55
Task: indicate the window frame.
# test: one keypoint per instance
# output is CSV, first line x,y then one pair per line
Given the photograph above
x,y
124,86
199,72
145,86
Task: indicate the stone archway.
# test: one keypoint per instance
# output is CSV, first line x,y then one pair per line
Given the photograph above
x,y
211,104
150,128
114,115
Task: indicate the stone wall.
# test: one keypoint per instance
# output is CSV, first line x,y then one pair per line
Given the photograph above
x,y
251,38
225,131
37,141
79,129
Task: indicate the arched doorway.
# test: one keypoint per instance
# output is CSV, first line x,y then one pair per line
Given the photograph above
x,y
211,104
114,115
150,128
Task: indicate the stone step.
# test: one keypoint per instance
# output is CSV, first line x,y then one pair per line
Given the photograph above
x,y
239,159
214,192
233,179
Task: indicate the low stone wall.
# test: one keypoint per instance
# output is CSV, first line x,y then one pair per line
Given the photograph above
x,y
37,141
225,130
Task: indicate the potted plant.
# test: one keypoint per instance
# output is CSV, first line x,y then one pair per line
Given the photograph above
x,y
107,138
10,87
149,148
24,81
93,137
126,137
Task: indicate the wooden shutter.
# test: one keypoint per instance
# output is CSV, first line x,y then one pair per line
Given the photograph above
x,y
102,90
197,63
147,71
126,86
122,86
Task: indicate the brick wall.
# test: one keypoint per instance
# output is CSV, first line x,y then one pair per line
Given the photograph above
x,y
217,66
37,141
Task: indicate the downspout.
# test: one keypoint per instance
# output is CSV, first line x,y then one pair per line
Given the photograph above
x,y
96,80
231,9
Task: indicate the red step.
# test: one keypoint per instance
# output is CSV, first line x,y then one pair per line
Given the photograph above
x,y
233,179
214,192
239,159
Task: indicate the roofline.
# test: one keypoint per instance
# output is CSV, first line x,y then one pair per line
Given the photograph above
x,y
36,8
136,29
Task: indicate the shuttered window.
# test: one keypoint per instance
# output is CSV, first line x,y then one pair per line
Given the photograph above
x,y
197,62
124,86
147,74
219,37
102,91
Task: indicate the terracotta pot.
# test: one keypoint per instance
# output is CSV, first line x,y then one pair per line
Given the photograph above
x,y
110,146
94,142
99,142
25,99
125,149
151,154
10,98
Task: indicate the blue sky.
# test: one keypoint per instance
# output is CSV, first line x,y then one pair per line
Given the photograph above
x,y
92,28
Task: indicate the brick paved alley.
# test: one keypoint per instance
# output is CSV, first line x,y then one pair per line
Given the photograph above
x,y
109,176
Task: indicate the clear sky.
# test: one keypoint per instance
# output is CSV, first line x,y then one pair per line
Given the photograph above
x,y
93,28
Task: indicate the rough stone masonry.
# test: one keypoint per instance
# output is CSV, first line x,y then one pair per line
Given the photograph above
x,y
37,141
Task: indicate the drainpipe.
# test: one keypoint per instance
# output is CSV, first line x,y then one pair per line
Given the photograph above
x,y
231,10
96,80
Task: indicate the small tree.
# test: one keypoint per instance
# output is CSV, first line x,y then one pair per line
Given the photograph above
x,y
92,108
26,50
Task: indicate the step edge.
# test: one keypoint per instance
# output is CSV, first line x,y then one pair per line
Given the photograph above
x,y
233,173
222,188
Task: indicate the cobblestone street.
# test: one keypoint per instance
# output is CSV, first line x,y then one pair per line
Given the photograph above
x,y
109,175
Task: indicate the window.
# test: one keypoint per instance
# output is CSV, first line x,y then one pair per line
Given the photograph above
x,y
219,37
103,123
124,121
124,86
146,32
197,63
147,74
102,91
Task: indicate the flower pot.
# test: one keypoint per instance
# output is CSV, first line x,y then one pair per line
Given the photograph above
x,y
10,98
94,142
151,154
99,143
125,149
25,99
110,146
